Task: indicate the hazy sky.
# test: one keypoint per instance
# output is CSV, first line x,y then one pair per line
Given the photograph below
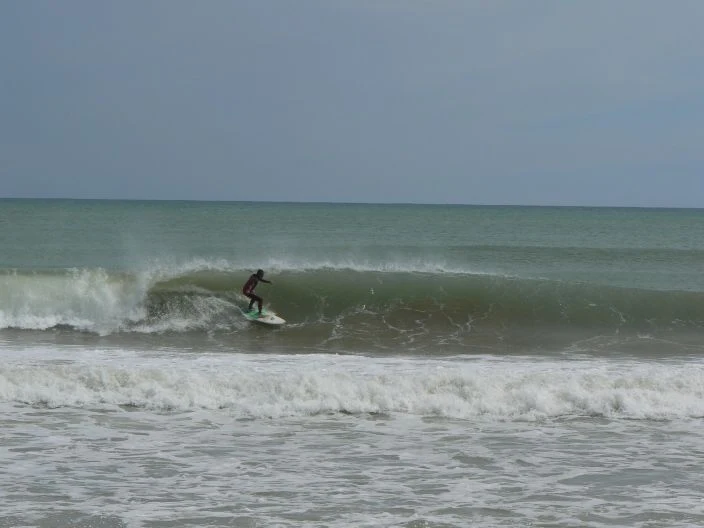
x,y
489,102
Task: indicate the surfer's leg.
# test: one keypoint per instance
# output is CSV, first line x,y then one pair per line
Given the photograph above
x,y
254,298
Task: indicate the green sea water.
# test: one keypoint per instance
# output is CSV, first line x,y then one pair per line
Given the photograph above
x,y
354,276
645,248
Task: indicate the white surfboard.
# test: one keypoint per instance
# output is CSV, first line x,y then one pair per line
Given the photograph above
x,y
266,317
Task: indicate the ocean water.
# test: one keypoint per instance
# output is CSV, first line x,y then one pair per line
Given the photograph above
x,y
440,366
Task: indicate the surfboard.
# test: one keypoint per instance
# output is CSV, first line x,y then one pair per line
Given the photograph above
x,y
268,318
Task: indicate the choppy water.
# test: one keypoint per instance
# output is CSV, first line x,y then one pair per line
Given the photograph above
x,y
441,366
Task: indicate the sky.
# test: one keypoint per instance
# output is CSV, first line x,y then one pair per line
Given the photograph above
x,y
591,102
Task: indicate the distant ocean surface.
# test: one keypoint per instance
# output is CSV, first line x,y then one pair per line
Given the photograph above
x,y
440,366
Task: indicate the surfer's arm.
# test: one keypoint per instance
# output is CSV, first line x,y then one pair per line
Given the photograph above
x,y
266,281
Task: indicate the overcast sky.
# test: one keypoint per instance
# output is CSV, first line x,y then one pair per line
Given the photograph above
x,y
482,102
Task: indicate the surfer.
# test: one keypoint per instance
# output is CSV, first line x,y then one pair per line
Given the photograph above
x,y
248,289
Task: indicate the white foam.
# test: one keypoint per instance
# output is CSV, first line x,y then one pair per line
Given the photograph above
x,y
87,299
146,466
275,386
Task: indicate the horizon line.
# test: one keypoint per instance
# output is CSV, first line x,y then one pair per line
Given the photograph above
x,y
325,202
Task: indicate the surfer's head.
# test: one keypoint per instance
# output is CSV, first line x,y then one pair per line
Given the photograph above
x,y
260,273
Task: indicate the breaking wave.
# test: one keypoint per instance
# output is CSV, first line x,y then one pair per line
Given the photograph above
x,y
285,386
368,307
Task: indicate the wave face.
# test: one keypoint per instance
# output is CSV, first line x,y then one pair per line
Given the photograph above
x,y
347,309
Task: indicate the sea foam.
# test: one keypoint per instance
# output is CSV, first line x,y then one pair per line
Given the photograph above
x,y
282,386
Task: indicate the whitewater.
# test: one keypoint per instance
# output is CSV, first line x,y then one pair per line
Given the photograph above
x,y
442,366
